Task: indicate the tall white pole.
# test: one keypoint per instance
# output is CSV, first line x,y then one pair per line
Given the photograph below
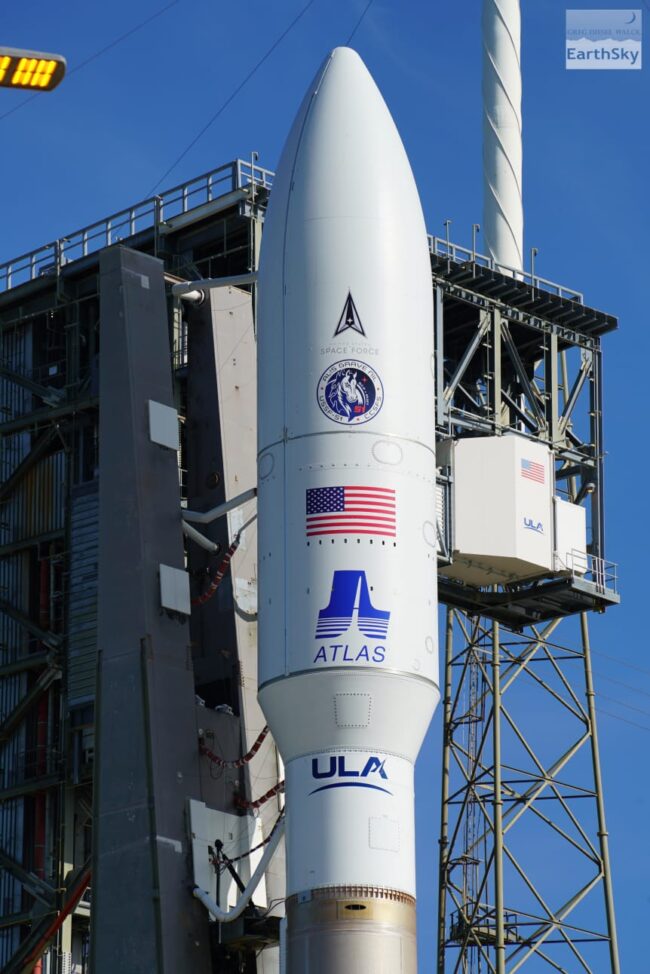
x,y
503,216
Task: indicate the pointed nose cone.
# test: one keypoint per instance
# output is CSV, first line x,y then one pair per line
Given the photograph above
x,y
344,215
344,148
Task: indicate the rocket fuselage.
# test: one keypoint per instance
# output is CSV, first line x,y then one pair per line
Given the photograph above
x,y
347,538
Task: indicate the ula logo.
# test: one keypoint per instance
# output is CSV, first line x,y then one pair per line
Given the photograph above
x,y
533,525
339,766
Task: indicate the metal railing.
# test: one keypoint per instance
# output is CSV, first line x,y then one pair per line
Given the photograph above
x,y
603,574
143,215
442,247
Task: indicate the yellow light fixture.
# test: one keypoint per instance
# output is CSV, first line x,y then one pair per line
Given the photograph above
x,y
30,69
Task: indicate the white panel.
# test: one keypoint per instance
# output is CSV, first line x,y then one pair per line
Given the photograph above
x,y
163,425
235,831
503,528
235,358
570,537
350,821
175,589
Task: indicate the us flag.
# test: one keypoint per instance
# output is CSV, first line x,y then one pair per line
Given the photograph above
x,y
351,510
532,471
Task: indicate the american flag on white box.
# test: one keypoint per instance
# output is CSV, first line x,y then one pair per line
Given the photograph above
x,y
351,510
533,471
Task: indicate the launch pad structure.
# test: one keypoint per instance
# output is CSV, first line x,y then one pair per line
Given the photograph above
x,y
517,356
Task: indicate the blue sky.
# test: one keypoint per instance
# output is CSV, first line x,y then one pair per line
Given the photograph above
x,y
104,139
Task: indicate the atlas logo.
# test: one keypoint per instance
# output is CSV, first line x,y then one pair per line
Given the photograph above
x,y
343,767
531,525
351,597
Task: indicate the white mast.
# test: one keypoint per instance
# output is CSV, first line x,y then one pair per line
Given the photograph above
x,y
503,217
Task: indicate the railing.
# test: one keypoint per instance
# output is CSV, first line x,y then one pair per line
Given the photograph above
x,y
442,247
144,215
603,574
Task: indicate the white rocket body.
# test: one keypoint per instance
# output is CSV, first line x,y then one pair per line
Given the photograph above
x,y
348,665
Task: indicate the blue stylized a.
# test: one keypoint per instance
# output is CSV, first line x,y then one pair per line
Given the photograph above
x,y
337,616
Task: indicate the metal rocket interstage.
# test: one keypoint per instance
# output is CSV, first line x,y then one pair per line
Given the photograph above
x,y
348,666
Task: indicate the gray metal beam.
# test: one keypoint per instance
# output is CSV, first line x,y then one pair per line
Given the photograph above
x,y
34,661
148,759
46,393
522,375
483,327
25,704
35,886
30,786
48,638
45,415
38,450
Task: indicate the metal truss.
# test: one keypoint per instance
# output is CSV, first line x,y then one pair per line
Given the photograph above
x,y
524,869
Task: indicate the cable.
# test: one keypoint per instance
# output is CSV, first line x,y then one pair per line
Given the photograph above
x,y
239,762
627,686
632,723
260,845
359,22
103,50
615,659
271,793
233,95
621,703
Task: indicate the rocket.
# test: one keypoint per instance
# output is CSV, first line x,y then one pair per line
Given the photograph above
x,y
348,672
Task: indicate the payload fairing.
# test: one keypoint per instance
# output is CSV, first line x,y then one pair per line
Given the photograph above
x,y
347,546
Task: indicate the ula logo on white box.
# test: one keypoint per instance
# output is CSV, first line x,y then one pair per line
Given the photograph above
x,y
603,40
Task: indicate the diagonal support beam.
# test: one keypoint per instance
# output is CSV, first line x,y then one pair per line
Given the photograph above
x,y
583,374
39,450
35,661
46,928
50,639
49,395
20,711
483,327
529,390
35,886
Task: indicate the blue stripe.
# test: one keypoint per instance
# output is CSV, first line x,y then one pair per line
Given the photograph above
x,y
351,784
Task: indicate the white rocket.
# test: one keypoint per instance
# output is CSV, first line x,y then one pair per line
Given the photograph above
x,y
347,546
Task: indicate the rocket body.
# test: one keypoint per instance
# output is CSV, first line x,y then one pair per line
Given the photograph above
x,y
347,538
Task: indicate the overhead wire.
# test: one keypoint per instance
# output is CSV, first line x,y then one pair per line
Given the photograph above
x,y
620,683
232,95
621,703
633,723
359,22
621,662
97,54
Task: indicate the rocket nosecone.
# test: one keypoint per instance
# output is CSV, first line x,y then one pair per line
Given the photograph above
x,y
348,669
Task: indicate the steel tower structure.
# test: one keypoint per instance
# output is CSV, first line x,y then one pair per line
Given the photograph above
x,y
513,356
525,878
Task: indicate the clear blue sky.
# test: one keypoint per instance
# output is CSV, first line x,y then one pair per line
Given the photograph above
x,y
104,139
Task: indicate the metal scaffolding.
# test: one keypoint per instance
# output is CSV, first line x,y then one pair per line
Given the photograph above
x,y
525,880
517,796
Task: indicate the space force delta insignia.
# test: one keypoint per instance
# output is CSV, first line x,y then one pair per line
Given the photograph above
x,y
350,629
350,392
349,320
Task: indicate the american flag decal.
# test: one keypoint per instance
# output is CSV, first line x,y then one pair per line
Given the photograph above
x,y
532,471
351,510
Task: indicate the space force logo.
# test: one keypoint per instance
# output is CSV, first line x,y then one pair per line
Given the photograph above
x,y
350,392
350,611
